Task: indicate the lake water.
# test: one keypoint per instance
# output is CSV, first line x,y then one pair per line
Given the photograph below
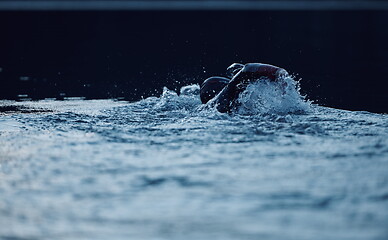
x,y
169,168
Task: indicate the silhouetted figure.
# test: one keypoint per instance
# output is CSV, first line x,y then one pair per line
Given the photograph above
x,y
224,92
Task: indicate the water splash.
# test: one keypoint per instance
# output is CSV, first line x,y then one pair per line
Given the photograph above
x,y
268,97
261,97
188,100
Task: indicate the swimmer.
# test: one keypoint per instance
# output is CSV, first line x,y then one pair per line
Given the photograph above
x,y
223,92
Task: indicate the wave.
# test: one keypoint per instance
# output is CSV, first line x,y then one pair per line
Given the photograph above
x,y
261,97
269,97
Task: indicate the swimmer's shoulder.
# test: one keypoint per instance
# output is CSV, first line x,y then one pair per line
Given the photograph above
x,y
256,67
251,67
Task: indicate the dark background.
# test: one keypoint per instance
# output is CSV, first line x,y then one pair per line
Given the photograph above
x,y
341,56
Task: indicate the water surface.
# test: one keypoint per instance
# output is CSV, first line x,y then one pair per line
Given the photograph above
x,y
169,168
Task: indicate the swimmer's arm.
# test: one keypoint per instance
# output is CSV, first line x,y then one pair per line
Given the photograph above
x,y
226,99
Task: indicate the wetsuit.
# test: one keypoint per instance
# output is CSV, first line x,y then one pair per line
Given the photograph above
x,y
225,94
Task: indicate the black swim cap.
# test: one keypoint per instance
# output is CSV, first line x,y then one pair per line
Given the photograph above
x,y
211,87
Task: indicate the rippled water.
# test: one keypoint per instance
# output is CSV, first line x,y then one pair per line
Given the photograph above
x,y
169,168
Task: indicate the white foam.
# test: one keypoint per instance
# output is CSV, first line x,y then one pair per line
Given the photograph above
x,y
280,97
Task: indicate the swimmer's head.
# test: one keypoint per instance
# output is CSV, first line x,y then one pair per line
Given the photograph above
x,y
234,69
211,87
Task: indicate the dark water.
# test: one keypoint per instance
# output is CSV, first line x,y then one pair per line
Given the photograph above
x,y
169,168
340,55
